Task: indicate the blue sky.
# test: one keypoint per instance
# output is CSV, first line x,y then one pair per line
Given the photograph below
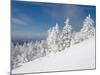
x,y
33,19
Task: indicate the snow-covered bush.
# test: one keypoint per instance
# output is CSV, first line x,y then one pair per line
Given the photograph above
x,y
77,38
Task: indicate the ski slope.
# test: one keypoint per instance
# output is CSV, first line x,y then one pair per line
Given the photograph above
x,y
77,57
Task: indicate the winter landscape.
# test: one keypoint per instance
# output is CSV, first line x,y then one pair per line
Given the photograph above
x,y
62,49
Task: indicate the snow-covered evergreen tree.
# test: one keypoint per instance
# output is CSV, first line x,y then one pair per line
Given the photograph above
x,y
25,51
88,29
66,35
15,55
86,32
53,39
43,47
30,46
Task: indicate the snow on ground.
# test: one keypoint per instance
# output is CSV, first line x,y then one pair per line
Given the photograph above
x,y
77,57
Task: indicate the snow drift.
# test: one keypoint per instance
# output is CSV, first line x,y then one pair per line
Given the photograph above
x,y
76,57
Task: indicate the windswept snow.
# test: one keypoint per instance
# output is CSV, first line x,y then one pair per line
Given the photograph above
x,y
79,56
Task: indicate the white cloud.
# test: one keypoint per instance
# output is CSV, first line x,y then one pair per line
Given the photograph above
x,y
18,21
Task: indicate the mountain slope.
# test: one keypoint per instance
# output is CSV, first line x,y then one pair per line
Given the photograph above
x,y
79,56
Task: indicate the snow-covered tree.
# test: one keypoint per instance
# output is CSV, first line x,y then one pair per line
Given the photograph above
x,y
53,39
25,52
66,35
86,32
57,40
15,53
30,46
43,47
88,29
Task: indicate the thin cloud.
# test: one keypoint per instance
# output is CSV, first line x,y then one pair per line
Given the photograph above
x,y
18,21
27,34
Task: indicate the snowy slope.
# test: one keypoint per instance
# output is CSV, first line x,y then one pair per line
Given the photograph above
x,y
79,56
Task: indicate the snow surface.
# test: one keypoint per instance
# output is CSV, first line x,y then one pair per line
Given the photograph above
x,y
77,57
